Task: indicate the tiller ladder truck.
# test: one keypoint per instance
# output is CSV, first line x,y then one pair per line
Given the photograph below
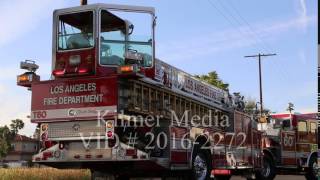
x,y
112,107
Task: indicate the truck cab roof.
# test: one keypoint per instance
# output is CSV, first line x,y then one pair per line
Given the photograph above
x,y
98,6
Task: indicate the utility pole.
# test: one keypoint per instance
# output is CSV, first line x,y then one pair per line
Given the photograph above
x,y
83,2
260,76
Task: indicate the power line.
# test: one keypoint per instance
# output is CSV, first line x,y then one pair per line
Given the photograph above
x,y
260,76
265,44
227,18
251,33
258,40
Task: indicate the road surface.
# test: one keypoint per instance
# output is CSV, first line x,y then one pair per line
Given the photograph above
x,y
278,177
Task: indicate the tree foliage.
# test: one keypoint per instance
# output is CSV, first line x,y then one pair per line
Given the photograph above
x,y
213,79
250,106
290,107
16,125
7,135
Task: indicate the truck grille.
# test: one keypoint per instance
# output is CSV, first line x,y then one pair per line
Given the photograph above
x,y
75,129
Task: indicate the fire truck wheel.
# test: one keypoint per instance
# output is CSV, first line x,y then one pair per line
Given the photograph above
x,y
222,177
201,165
268,171
312,170
97,175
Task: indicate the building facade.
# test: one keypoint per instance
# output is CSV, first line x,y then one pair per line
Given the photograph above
x,y
22,149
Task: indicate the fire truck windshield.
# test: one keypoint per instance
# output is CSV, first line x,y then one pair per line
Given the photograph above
x,y
120,33
75,31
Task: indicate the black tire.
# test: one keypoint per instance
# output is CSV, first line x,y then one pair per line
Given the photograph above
x,y
97,175
201,165
311,173
268,170
222,177
122,178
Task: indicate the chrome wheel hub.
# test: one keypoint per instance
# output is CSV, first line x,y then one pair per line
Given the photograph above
x,y
315,168
200,168
266,169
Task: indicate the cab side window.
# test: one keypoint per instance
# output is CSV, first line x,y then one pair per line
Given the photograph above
x,y
112,46
313,127
302,126
286,124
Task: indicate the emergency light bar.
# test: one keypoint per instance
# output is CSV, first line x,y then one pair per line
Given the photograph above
x,y
129,68
27,78
24,78
29,65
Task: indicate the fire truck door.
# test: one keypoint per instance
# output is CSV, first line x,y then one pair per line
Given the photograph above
x,y
180,147
313,127
246,141
306,136
288,148
302,136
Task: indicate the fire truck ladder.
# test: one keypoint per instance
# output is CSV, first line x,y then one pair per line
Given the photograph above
x,y
149,99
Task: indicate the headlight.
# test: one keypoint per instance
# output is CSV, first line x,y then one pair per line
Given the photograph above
x,y
109,124
74,60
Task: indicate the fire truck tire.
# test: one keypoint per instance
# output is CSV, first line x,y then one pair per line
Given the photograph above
x,y
268,171
311,172
97,175
201,165
222,177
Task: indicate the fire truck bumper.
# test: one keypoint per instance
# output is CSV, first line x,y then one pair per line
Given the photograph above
x,y
76,152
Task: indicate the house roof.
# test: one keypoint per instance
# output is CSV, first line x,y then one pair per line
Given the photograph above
x,y
22,138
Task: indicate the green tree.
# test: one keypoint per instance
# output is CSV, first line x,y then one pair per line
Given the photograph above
x,y
213,79
16,125
5,136
290,107
250,106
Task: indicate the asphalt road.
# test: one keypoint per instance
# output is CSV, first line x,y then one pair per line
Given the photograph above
x,y
278,177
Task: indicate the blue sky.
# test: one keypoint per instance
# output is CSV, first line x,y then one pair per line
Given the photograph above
x,y
196,36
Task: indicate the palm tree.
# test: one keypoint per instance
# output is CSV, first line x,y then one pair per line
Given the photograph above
x,y
16,125
290,107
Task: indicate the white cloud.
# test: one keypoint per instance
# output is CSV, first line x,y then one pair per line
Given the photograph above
x,y
18,17
227,39
2,89
284,26
15,101
302,95
308,110
15,106
9,73
302,13
302,56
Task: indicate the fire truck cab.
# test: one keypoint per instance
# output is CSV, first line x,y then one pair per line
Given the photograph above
x,y
111,107
291,144
98,39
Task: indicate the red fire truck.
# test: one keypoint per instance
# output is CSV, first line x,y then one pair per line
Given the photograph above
x,y
290,145
114,108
